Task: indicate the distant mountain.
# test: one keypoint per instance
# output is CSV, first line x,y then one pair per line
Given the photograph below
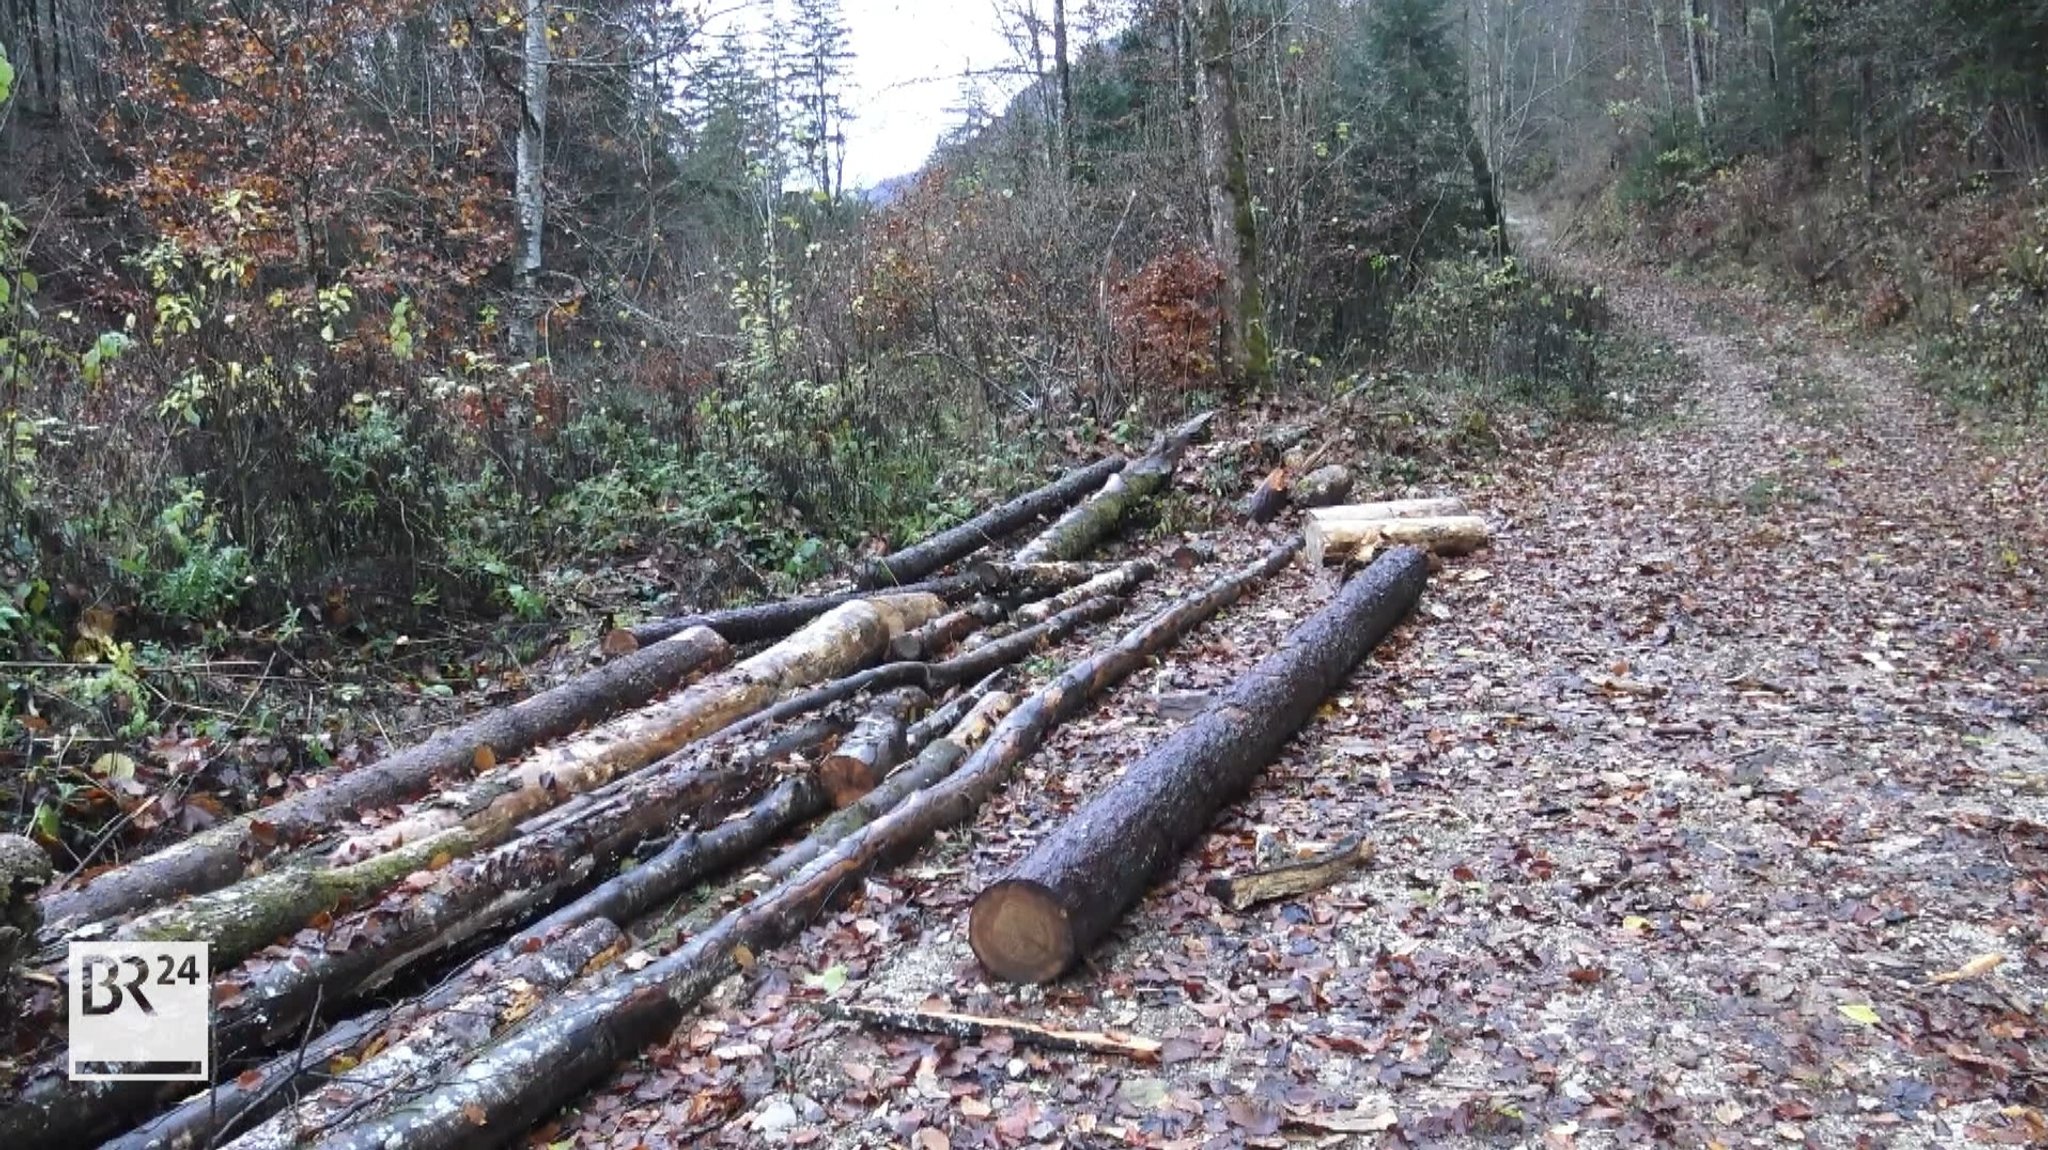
x,y
886,192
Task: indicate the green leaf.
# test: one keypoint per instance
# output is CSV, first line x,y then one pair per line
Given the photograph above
x,y
6,76
830,980
1861,1013
48,822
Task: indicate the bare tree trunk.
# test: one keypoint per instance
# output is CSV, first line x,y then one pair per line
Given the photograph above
x,y
1233,232
1694,47
530,186
1663,58
1066,81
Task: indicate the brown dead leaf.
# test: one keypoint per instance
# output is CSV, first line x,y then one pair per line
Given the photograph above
x,y
1977,967
484,759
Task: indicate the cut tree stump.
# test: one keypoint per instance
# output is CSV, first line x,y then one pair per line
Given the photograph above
x,y
529,1073
1240,892
1332,538
1079,530
948,546
218,856
1269,498
1065,895
974,1027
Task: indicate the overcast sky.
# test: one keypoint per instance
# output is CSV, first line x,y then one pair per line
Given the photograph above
x,y
905,87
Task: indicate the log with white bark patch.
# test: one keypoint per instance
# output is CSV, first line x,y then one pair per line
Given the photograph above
x,y
218,856
529,1073
834,644
931,640
1119,580
1036,921
774,620
957,543
1398,508
1332,538
259,1006
1079,530
873,747
420,1050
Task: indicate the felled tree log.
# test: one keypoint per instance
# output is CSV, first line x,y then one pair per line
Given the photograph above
x,y
1240,892
1331,538
1035,922
530,1072
218,856
1119,580
421,1049
974,1027
932,639
740,625
917,561
1322,487
936,758
1079,530
872,748
258,1008
1398,508
834,644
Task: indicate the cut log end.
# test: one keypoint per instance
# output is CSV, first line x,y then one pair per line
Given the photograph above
x,y
1021,933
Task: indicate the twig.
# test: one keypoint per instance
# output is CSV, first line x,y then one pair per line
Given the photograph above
x,y
974,1026
1239,892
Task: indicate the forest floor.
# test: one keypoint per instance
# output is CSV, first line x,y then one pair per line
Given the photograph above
x,y
1686,795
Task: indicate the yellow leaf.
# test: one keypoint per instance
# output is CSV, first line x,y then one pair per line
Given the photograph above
x,y
1858,1012
743,956
484,759
1635,923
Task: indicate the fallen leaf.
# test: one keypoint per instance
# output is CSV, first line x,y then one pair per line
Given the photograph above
x,y
1860,1013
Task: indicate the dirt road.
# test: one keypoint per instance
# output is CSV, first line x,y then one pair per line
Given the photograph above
x,y
1685,796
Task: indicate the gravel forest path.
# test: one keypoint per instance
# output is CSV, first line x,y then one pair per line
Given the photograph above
x,y
1686,795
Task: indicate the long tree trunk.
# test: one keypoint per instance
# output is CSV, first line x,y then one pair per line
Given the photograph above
x,y
529,180
835,644
1335,539
529,1073
218,856
1695,49
1052,907
1233,232
916,562
1069,118
1081,529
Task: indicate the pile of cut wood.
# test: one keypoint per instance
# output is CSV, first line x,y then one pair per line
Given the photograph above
x,y
509,864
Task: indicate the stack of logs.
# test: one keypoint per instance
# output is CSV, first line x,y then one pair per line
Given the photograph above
x,y
507,864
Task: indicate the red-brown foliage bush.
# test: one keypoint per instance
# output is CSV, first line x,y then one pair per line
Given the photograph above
x,y
1165,318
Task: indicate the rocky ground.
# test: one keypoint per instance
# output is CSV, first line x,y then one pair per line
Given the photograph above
x,y
1711,808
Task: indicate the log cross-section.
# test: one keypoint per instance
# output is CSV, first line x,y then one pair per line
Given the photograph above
x,y
1033,924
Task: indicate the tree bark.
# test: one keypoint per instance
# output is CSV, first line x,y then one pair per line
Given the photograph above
x,y
446,1035
778,619
1039,919
1081,529
1323,487
527,1074
1269,498
932,639
1233,231
216,857
1115,582
530,183
259,1008
834,644
1335,538
873,748
1063,65
949,546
